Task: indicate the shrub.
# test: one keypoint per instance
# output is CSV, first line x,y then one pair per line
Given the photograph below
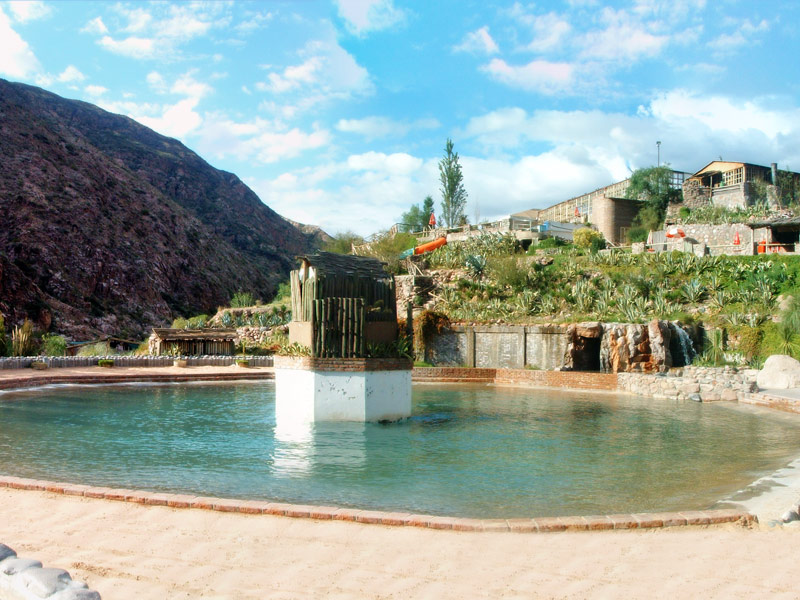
x,y
197,322
242,299
3,349
180,323
284,292
585,237
638,234
105,362
22,339
550,242
96,349
54,345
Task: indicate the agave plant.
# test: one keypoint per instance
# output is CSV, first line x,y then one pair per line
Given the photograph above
x,y
721,298
582,296
693,291
476,265
735,318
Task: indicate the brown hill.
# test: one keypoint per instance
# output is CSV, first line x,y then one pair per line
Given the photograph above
x,y
109,227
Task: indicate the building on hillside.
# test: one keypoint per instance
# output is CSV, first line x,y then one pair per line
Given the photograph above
x,y
192,342
606,208
733,185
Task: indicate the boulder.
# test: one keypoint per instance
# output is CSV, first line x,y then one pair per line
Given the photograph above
x,y
780,372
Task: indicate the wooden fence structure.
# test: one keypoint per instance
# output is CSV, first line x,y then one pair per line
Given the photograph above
x,y
337,301
338,330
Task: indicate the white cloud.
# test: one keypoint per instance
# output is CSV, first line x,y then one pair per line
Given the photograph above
x,y
95,90
133,47
96,26
363,16
177,120
156,82
262,140
187,85
746,32
549,32
380,127
16,57
536,76
70,74
159,29
478,42
326,72
623,39
28,10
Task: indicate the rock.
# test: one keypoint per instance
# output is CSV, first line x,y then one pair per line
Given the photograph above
x,y
780,372
76,594
789,516
6,552
12,566
696,398
45,582
728,395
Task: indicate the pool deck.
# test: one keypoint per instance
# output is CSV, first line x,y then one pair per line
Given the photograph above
x,y
27,378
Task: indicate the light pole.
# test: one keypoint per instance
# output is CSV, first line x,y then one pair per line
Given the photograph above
x,y
658,162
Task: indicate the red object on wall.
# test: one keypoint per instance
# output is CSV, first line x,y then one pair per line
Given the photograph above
x,y
736,240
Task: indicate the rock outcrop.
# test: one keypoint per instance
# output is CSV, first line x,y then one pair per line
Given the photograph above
x,y
780,372
109,227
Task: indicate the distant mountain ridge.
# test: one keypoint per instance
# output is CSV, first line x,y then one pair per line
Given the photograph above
x,y
108,227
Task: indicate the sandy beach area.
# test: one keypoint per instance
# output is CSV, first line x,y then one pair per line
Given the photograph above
x,y
128,551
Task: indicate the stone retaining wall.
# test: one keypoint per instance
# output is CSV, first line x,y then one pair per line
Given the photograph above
x,y
701,384
55,362
26,579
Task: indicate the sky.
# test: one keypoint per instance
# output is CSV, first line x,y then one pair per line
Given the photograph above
x,y
337,113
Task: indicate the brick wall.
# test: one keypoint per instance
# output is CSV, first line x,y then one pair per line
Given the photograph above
x,y
555,379
611,214
309,363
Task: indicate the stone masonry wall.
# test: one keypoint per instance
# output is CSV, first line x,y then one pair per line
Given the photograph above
x,y
500,346
701,384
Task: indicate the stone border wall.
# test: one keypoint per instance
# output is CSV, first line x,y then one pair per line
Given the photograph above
x,y
67,362
110,377
26,579
701,384
396,519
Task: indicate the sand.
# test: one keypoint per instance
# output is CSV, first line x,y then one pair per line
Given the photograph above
x,y
128,551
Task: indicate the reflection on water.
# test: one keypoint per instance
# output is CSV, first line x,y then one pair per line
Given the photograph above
x,y
300,447
467,450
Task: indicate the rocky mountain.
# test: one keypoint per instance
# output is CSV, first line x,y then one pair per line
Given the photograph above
x,y
109,227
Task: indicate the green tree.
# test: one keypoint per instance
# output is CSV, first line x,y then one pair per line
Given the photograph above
x,y
416,219
652,187
454,196
342,243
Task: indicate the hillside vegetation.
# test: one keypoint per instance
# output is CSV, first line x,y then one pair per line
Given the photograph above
x,y
496,282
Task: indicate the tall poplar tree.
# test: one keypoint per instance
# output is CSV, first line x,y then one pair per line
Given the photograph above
x,y
454,196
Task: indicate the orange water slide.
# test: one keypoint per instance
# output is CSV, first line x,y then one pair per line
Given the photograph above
x,y
437,243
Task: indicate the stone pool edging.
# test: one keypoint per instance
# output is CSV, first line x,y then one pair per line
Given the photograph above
x,y
393,519
130,377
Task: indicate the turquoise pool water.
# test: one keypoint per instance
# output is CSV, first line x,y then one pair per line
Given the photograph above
x,y
468,450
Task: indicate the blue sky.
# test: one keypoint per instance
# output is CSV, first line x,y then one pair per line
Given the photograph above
x,y
336,113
